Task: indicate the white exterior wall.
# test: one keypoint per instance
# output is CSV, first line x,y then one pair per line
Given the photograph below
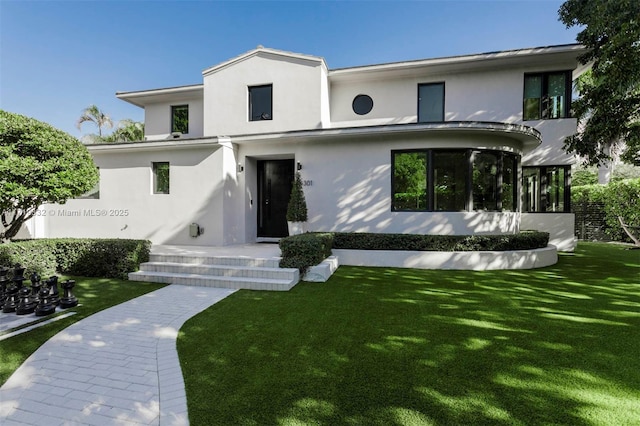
x,y
157,119
351,192
491,95
127,207
298,95
560,227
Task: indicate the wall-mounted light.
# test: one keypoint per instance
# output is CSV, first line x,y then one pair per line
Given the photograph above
x,y
240,168
299,166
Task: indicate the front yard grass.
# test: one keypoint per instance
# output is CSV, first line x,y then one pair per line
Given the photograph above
x,y
94,294
383,346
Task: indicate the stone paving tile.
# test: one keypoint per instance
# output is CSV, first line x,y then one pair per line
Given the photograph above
x,y
119,366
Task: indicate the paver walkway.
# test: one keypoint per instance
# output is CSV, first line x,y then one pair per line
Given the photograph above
x,y
117,367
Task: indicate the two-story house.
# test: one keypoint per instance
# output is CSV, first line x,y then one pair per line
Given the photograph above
x,y
457,145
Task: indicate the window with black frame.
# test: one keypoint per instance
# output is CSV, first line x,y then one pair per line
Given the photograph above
x,y
454,180
546,189
261,102
430,102
180,119
546,95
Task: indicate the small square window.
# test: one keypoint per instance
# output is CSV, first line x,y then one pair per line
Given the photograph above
x,y
180,119
261,103
160,177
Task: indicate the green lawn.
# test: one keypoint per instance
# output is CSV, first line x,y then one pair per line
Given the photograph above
x,y
383,346
94,294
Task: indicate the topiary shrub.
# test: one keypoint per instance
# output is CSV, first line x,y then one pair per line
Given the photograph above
x,y
297,207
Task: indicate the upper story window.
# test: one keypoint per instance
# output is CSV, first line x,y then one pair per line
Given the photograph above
x,y
362,104
180,119
430,102
547,95
160,177
261,102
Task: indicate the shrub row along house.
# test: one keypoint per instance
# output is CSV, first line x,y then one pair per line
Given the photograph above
x,y
456,145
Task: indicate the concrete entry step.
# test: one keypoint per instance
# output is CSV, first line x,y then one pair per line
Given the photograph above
x,y
254,267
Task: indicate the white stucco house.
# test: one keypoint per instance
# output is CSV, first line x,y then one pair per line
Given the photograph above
x,y
456,145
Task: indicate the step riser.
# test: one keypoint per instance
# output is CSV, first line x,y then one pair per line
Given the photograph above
x,y
219,271
216,260
213,282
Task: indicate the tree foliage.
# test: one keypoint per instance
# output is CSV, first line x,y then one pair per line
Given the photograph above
x,y
38,164
126,131
609,103
96,116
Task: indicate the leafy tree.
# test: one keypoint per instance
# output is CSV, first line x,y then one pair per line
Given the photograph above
x,y
38,164
94,115
609,105
127,131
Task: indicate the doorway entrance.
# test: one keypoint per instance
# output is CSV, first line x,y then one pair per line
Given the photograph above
x,y
275,178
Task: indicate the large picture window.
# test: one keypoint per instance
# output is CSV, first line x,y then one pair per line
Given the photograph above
x,y
261,102
450,171
454,180
546,189
546,95
430,102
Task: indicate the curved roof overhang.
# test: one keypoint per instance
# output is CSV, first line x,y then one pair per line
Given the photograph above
x,y
527,137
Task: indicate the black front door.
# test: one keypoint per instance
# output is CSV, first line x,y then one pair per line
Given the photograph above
x,y
275,178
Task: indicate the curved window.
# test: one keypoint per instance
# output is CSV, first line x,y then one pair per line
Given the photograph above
x,y
362,104
454,180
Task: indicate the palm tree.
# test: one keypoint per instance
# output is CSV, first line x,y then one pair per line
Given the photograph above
x,y
93,114
126,131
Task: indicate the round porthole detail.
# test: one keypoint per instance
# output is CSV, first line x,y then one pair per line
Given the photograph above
x,y
362,104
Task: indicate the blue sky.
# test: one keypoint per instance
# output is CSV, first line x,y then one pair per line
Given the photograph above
x,y
58,57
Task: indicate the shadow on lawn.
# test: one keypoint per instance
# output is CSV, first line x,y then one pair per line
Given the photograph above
x,y
392,346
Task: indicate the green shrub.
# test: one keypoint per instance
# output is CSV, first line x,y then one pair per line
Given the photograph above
x,y
305,250
297,207
414,242
622,198
108,258
35,255
618,198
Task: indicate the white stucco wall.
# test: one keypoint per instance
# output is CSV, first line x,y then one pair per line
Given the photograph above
x,y
493,95
157,118
350,191
127,207
298,101
560,227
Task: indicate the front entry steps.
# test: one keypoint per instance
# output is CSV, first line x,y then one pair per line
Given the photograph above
x,y
238,272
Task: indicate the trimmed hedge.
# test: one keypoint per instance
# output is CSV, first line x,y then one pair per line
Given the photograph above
x,y
305,250
107,258
526,240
